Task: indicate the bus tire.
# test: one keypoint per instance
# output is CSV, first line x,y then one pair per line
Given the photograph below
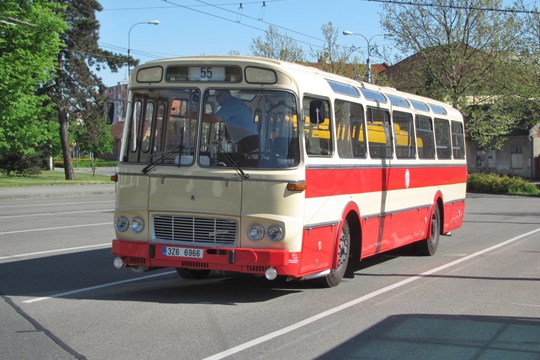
x,y
193,274
428,247
344,249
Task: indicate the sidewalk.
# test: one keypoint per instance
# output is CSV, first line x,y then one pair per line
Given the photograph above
x,y
56,191
61,191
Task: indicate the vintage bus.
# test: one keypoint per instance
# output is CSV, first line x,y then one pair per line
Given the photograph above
x,y
342,170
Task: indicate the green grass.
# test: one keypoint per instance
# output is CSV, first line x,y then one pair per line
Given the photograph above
x,y
52,178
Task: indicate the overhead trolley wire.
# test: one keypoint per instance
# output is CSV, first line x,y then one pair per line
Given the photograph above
x,y
457,7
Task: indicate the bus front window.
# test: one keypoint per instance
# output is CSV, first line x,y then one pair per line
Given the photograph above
x,y
249,128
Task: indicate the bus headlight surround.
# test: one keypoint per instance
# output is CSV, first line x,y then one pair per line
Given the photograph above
x,y
122,223
137,224
275,232
255,232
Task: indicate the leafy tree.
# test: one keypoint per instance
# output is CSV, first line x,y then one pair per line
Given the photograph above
x,y
457,46
277,46
517,105
29,42
465,55
75,89
333,57
92,134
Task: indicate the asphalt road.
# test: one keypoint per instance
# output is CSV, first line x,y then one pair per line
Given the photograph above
x,y
61,298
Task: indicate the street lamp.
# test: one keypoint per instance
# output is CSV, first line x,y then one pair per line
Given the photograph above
x,y
368,71
153,22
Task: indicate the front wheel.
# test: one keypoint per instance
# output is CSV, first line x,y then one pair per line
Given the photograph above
x,y
193,274
344,249
428,247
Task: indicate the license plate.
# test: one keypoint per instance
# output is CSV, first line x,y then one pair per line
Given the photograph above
x,y
183,252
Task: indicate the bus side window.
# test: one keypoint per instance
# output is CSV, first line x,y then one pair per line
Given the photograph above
x,y
458,141
350,130
404,135
442,138
317,132
379,133
424,137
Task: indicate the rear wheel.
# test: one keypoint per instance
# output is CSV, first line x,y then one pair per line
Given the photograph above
x,y
193,274
344,249
428,246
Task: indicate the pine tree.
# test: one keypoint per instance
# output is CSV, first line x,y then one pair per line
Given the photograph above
x,y
76,89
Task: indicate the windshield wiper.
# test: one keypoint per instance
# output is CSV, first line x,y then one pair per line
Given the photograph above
x,y
164,156
230,159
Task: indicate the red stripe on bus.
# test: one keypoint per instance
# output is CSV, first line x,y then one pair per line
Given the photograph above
x,y
329,182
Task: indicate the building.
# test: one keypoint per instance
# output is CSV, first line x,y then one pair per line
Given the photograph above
x,y
519,156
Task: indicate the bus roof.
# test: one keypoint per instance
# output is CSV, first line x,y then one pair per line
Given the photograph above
x,y
303,74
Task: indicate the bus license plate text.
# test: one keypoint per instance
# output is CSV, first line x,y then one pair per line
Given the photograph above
x,y
183,252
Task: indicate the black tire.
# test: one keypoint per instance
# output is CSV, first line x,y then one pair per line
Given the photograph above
x,y
344,249
193,274
428,247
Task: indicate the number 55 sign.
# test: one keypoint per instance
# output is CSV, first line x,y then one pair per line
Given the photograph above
x,y
206,73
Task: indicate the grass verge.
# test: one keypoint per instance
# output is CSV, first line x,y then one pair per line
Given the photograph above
x,y
52,178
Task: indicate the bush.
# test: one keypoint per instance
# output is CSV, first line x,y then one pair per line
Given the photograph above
x,y
496,184
21,165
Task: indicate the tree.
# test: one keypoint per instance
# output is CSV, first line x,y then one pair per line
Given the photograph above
x,y
333,57
464,54
29,42
277,46
92,134
527,64
75,89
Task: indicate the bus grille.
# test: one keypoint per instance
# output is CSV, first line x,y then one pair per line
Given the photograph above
x,y
195,229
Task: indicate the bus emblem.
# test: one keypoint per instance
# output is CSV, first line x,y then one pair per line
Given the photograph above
x,y
218,232
407,178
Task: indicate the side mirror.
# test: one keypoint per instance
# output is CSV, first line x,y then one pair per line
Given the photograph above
x,y
109,111
316,112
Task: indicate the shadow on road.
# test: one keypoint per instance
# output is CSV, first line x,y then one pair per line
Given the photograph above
x,y
53,275
423,336
68,273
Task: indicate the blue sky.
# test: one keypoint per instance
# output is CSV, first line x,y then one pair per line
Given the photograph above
x,y
191,27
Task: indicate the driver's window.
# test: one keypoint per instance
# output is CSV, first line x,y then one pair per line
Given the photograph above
x,y
317,129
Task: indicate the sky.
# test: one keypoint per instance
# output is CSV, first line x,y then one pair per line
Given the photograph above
x,y
216,27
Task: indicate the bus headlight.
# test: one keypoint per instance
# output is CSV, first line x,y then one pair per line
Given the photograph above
x,y
122,223
275,233
255,232
137,224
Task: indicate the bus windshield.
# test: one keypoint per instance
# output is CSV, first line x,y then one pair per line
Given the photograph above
x,y
236,128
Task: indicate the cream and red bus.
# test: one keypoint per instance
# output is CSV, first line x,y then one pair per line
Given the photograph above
x,y
342,170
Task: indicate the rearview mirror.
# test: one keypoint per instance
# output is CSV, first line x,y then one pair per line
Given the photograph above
x,y
316,112
109,111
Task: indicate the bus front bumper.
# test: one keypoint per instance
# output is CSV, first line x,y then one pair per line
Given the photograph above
x,y
146,256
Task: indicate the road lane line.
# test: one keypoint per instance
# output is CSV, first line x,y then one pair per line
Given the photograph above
x,y
55,251
55,213
55,228
290,328
97,287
